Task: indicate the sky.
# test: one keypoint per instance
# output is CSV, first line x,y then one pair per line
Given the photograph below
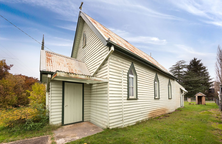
x,y
167,30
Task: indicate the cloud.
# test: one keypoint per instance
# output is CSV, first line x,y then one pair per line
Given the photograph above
x,y
3,38
59,42
138,39
134,6
147,40
217,23
190,50
68,27
209,10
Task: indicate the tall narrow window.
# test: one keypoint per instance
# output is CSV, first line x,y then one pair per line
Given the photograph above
x,y
84,40
132,83
156,88
169,90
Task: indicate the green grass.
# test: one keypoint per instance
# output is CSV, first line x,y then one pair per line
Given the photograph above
x,y
16,133
191,124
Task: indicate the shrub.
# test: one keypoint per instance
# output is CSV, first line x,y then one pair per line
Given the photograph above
x,y
37,95
7,95
33,117
17,115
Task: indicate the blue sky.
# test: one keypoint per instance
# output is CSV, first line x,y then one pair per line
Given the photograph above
x,y
168,30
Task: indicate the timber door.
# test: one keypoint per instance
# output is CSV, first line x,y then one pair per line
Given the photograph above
x,y
72,103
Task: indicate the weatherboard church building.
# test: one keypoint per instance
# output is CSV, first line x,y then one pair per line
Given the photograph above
x,y
106,81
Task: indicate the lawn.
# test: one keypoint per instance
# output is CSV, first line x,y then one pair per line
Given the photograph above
x,y
191,124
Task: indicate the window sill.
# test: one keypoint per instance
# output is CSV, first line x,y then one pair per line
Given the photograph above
x,y
132,98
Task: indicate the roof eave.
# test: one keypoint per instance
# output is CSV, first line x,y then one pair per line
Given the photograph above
x,y
75,35
72,77
129,53
93,28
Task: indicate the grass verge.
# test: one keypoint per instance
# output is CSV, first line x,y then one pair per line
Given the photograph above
x,y
17,133
191,124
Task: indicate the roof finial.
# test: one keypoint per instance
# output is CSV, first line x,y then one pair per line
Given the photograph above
x,y
43,42
81,6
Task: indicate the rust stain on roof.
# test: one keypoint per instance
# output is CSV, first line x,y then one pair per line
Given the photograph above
x,y
123,43
56,62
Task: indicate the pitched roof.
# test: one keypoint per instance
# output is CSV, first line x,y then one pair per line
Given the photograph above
x,y
108,34
52,62
200,94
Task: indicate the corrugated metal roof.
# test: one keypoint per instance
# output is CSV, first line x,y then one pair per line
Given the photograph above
x,y
52,62
123,43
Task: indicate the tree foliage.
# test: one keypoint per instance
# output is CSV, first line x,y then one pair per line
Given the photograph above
x,y
201,75
4,69
37,95
194,76
178,70
13,88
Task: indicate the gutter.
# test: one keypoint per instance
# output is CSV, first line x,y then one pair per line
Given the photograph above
x,y
106,57
134,56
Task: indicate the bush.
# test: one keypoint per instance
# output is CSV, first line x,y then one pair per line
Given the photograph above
x,y
37,95
15,116
33,117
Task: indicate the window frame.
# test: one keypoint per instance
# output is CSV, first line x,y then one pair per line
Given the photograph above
x,y
169,84
134,84
156,79
83,40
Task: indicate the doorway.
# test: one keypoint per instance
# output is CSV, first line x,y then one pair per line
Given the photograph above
x,y
72,103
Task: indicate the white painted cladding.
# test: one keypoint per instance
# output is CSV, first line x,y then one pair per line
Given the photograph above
x,y
94,51
93,54
96,95
55,102
123,112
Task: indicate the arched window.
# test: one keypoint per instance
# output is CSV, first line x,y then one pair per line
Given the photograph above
x,y
156,88
169,90
132,83
84,40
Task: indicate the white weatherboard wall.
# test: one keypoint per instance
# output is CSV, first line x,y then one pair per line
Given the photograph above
x,y
123,112
94,51
87,102
93,54
55,102
99,108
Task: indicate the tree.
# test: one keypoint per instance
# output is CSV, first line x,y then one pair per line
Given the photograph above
x,y
4,69
196,78
7,95
178,70
13,88
219,65
29,81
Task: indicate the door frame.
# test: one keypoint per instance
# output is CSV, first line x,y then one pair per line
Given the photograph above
x,y
63,93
